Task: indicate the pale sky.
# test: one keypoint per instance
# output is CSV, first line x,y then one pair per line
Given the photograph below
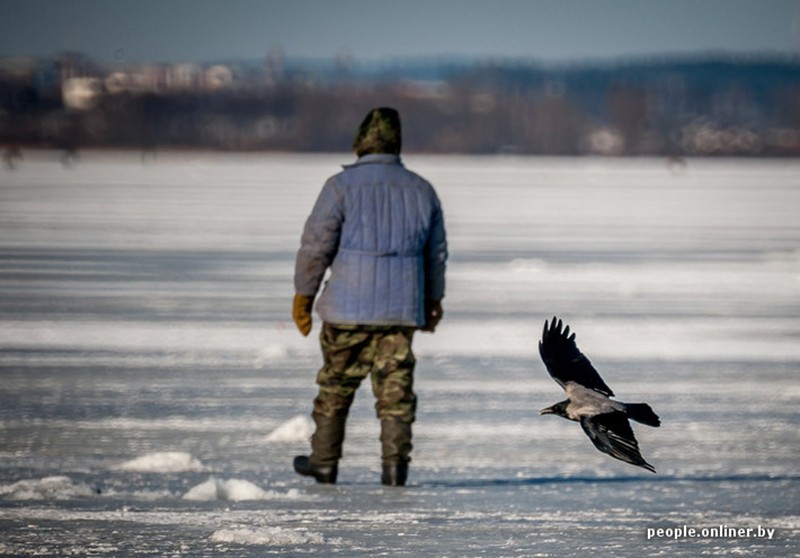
x,y
546,30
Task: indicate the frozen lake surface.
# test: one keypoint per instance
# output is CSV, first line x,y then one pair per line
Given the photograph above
x,y
154,389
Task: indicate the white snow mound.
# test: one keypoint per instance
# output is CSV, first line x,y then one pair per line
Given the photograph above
x,y
163,462
234,490
297,429
48,488
268,536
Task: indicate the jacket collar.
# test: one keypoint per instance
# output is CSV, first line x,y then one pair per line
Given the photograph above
x,y
376,158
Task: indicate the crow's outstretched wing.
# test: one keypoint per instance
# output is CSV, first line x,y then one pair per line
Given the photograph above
x,y
611,433
565,362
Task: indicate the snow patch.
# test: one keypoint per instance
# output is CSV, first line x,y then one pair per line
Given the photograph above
x,y
297,429
234,490
163,462
48,488
271,353
270,536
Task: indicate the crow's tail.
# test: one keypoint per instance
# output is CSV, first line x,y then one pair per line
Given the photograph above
x,y
642,412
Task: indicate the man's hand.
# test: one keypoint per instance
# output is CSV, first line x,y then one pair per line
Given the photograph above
x,y
301,312
433,314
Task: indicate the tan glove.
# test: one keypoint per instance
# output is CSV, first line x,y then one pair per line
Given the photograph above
x,y
433,314
301,312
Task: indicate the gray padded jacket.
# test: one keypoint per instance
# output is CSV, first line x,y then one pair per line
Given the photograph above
x,y
379,228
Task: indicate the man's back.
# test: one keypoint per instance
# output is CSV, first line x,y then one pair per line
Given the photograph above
x,y
383,227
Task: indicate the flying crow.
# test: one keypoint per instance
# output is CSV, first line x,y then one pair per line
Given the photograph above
x,y
588,401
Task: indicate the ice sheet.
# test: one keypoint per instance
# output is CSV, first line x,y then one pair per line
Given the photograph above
x,y
154,389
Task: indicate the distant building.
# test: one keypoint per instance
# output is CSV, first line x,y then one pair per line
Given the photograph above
x,y
274,67
117,82
184,77
18,68
81,93
218,77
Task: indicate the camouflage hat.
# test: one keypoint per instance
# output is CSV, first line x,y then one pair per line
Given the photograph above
x,y
379,133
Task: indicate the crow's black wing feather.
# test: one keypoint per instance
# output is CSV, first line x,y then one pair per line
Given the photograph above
x,y
565,362
611,433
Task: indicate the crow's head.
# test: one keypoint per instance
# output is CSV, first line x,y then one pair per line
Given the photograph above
x,y
559,409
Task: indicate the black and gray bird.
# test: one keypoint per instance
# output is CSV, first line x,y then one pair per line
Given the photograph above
x,y
588,401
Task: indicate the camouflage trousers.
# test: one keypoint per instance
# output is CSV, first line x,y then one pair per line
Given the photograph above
x,y
351,353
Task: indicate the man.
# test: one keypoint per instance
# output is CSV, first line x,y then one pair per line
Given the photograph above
x,y
379,228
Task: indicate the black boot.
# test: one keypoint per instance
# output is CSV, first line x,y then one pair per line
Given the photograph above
x,y
324,474
326,449
395,450
395,474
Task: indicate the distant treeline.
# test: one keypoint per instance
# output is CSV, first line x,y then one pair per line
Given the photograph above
x,y
709,106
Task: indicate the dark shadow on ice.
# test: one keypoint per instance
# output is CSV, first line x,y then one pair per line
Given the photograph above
x,y
532,481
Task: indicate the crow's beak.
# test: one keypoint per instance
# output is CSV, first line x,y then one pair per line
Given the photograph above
x,y
547,411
